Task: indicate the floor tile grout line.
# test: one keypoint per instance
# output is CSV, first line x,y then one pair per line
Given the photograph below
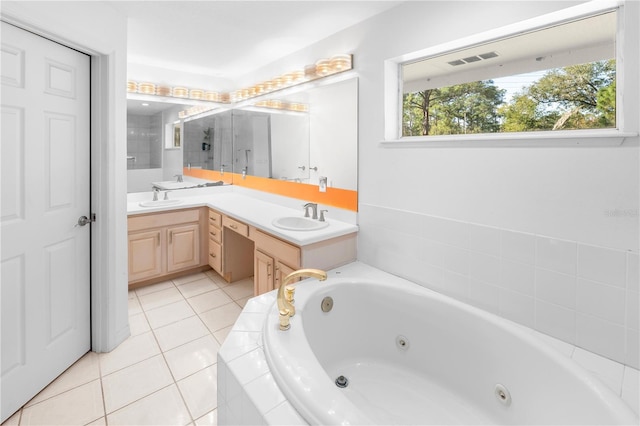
x,y
104,404
162,352
26,404
140,399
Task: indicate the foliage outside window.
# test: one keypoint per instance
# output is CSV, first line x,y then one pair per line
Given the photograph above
x,y
569,98
561,76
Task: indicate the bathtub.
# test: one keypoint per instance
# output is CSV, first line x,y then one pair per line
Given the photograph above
x,y
409,355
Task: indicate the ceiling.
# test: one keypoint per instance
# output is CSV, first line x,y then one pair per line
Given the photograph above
x,y
583,40
226,39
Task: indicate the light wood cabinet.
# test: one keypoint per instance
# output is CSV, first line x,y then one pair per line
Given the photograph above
x,y
183,249
230,251
274,260
263,273
165,245
215,241
145,255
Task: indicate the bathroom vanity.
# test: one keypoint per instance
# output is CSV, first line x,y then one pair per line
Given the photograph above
x,y
233,234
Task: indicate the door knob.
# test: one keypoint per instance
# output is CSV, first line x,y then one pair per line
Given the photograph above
x,y
83,220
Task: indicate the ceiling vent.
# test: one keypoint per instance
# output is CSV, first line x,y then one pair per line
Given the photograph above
x,y
471,59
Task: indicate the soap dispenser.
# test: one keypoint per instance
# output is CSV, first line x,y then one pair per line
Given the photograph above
x,y
322,186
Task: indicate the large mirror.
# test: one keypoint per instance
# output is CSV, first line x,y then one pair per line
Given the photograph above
x,y
154,140
300,137
208,141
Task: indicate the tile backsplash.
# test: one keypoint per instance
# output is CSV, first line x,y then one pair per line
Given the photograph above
x,y
585,295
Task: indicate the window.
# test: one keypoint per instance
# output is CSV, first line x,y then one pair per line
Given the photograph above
x,y
554,74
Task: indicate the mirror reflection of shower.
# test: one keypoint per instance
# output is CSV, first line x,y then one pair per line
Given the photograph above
x,y
245,168
208,142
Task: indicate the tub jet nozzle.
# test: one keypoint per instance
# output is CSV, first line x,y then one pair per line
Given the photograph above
x,y
342,382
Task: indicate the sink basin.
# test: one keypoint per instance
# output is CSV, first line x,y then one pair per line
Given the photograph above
x,y
172,184
159,203
296,223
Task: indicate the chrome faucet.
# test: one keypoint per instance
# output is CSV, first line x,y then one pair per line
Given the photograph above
x,y
286,292
156,191
179,178
314,206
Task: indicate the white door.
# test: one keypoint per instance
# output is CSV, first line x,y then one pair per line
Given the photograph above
x,y
45,269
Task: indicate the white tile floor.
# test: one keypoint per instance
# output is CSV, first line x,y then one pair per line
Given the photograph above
x,y
164,374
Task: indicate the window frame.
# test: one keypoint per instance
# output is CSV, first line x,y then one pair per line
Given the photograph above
x,y
393,89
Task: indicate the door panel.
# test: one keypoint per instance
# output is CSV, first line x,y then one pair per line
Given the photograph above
x,y
45,154
184,247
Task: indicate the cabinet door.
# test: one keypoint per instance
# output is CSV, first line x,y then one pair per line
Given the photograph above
x,y
183,249
282,271
145,254
215,256
263,273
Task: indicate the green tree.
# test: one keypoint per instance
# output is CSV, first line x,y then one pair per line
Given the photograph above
x,y
574,91
463,108
523,115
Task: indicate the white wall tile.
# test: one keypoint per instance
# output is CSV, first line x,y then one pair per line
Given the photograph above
x,y
602,264
484,267
456,285
484,239
517,307
431,251
250,414
284,414
431,276
249,366
633,316
517,276
484,296
518,246
556,321
456,259
633,271
600,336
600,300
264,393
556,255
632,350
556,288
446,231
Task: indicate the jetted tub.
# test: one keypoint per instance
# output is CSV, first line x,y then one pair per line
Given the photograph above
x,y
412,356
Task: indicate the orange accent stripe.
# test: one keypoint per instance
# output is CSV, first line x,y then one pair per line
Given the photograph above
x,y
213,175
336,197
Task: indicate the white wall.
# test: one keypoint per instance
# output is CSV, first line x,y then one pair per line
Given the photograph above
x,y
96,28
547,237
288,150
332,134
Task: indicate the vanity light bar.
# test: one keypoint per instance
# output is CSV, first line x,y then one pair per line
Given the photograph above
x,y
286,106
195,110
322,68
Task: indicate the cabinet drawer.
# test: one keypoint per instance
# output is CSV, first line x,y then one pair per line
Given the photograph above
x,y
215,219
157,220
236,226
215,233
215,256
285,252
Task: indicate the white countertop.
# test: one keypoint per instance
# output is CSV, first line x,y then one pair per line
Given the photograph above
x,y
246,209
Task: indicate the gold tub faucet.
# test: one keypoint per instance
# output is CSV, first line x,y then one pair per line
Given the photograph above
x,y
286,291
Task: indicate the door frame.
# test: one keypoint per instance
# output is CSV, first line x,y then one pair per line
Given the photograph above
x,y
109,317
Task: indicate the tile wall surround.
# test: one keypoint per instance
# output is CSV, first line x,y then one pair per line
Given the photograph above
x,y
582,294
249,395
143,141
